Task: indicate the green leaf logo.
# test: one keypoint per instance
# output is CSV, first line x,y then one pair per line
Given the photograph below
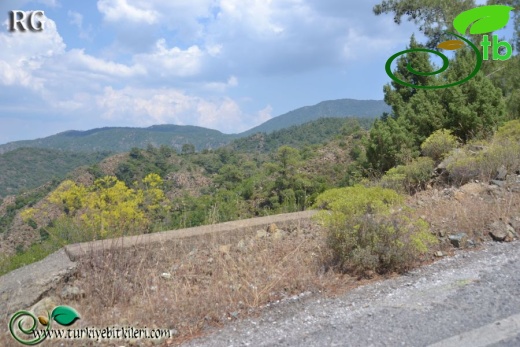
x,y
64,315
485,19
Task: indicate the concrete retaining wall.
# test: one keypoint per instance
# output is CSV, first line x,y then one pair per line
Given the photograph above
x,y
23,287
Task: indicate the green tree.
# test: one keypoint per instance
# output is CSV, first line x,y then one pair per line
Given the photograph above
x,y
473,109
389,144
397,95
433,17
188,148
288,159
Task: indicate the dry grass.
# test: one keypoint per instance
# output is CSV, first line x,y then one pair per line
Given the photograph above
x,y
214,279
466,210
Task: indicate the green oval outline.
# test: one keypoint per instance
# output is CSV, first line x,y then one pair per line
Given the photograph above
x,y
445,65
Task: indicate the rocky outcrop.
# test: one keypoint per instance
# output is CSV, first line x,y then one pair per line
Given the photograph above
x,y
23,287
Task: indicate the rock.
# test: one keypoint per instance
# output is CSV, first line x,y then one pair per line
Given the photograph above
x,y
510,237
23,287
272,228
498,231
498,183
515,224
224,249
441,169
261,234
459,240
279,234
472,188
241,245
166,275
442,233
439,254
501,173
72,292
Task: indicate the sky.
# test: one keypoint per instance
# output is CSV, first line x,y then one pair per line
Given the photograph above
x,y
222,64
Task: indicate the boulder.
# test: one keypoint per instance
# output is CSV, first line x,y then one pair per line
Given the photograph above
x,y
498,231
498,183
501,173
459,240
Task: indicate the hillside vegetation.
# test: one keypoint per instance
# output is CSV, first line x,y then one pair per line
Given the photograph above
x,y
28,168
299,136
341,108
124,139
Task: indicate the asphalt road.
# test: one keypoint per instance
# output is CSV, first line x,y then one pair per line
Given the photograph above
x,y
471,299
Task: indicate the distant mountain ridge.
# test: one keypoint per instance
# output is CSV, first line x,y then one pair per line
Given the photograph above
x,y
341,108
122,139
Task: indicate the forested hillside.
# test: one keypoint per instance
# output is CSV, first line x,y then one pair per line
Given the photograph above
x,y
299,136
188,188
327,109
27,168
124,139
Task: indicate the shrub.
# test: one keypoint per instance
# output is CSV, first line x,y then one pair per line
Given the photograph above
x,y
499,154
32,223
438,144
410,177
509,131
463,167
366,233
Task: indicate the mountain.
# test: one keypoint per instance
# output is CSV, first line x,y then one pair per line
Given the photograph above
x,y
122,139
298,136
27,168
341,108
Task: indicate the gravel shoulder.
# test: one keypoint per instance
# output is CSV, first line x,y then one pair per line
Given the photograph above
x,y
430,304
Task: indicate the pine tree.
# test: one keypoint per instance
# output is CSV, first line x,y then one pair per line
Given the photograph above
x,y
396,95
473,109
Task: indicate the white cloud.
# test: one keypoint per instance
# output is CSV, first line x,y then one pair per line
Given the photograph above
x,y
221,86
164,61
145,107
22,55
76,19
121,10
77,59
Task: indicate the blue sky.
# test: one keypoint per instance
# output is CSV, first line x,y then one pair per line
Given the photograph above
x,y
222,64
